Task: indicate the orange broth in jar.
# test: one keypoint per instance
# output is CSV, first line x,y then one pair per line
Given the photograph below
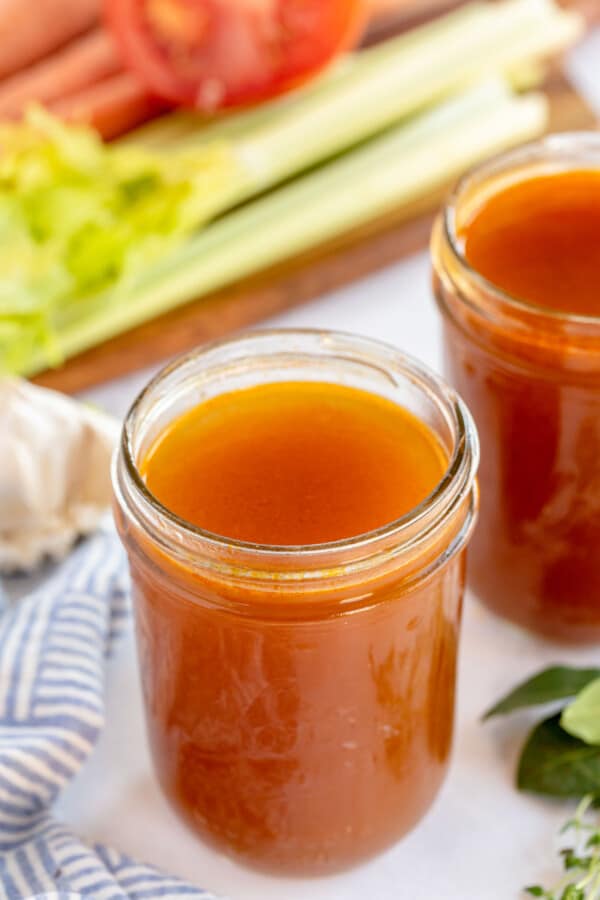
x,y
539,240
297,631
294,463
517,275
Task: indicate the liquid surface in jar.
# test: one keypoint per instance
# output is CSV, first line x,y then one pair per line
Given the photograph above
x,y
539,240
294,463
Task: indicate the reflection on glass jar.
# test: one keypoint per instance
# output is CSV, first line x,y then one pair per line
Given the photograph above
x,y
300,700
530,374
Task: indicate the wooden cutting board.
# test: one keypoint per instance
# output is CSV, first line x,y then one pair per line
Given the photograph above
x,y
354,256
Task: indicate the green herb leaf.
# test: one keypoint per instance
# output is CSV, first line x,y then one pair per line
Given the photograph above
x,y
573,892
583,868
581,718
555,763
555,683
571,860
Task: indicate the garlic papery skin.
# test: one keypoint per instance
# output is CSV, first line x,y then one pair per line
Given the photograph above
x,y
55,458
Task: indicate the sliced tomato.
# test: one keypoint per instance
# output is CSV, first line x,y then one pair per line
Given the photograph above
x,y
210,54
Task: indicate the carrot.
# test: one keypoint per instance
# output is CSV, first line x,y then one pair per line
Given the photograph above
x,y
83,62
112,107
31,29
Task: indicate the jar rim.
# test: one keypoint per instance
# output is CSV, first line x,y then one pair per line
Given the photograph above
x,y
553,148
461,469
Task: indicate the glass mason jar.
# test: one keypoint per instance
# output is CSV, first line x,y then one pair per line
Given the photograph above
x,y
299,700
531,377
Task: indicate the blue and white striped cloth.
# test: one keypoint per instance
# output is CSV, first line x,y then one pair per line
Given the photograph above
x,y
53,650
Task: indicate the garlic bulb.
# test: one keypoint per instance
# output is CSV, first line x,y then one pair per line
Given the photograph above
x,y
54,472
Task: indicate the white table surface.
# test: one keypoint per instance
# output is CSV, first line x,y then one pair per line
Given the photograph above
x,y
482,840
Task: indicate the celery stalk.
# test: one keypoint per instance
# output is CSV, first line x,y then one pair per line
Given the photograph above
x,y
404,75
398,167
187,126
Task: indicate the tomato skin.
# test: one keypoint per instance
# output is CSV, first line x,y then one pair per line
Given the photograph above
x,y
213,54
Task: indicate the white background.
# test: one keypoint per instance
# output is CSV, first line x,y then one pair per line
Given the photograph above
x,y
482,840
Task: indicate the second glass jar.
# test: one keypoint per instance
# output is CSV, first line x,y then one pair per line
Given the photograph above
x,y
531,377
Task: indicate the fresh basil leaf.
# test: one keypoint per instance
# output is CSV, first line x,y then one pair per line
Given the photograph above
x,y
555,683
581,718
555,763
